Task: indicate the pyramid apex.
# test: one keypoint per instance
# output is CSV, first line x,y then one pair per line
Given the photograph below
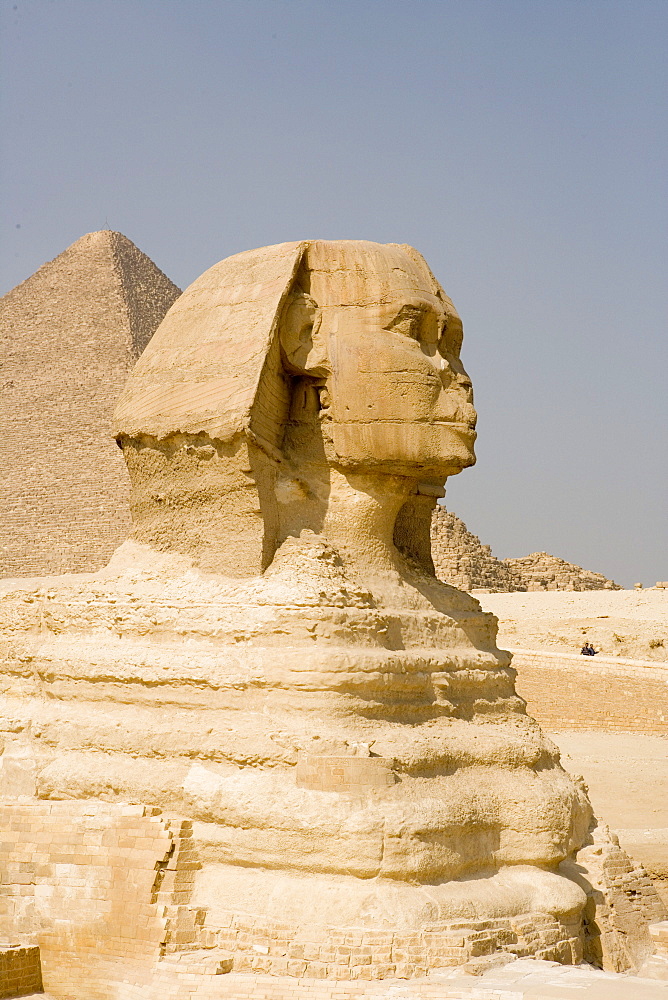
x,y
110,249
100,238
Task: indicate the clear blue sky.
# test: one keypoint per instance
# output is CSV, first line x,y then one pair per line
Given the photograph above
x,y
519,144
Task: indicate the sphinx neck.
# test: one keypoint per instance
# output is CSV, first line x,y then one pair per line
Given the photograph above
x,y
361,513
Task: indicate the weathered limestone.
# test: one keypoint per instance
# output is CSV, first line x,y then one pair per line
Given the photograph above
x,y
461,560
271,655
622,904
69,336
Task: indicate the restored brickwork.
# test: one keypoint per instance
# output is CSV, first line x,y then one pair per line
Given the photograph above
x,y
70,334
285,950
344,774
566,690
78,879
659,934
462,560
20,971
106,888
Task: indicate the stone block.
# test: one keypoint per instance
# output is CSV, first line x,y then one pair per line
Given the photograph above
x,y
20,970
352,775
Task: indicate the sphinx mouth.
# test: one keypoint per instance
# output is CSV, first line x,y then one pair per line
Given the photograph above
x,y
460,425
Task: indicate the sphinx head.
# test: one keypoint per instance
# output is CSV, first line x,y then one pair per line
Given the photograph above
x,y
278,369
372,329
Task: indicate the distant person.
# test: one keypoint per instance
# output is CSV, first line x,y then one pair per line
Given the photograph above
x,y
588,650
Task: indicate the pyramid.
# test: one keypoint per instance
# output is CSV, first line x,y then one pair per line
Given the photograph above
x,y
462,560
70,334
542,571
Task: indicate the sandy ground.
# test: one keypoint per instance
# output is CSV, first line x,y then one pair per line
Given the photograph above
x,y
629,623
524,979
521,980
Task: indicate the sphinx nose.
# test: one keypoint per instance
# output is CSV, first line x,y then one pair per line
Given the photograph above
x,y
453,375
455,402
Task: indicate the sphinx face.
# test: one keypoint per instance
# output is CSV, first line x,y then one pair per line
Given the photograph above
x,y
398,397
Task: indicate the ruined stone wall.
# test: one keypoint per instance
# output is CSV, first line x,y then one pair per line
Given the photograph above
x,y
463,561
103,889
20,971
70,334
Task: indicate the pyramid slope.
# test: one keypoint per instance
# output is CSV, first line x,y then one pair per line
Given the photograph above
x,y
462,560
148,292
70,334
542,571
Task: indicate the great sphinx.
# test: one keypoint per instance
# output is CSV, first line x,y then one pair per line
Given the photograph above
x,y
271,655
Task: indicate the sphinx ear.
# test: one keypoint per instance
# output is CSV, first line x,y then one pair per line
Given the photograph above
x,y
302,344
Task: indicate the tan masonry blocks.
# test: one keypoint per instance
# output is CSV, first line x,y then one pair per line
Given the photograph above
x,y
344,774
462,560
608,693
20,971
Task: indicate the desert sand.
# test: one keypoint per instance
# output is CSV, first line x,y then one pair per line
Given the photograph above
x,y
628,623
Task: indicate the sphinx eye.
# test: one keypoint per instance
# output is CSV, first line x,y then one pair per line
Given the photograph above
x,y
408,322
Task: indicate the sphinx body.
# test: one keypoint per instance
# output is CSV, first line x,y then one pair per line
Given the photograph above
x,y
271,655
